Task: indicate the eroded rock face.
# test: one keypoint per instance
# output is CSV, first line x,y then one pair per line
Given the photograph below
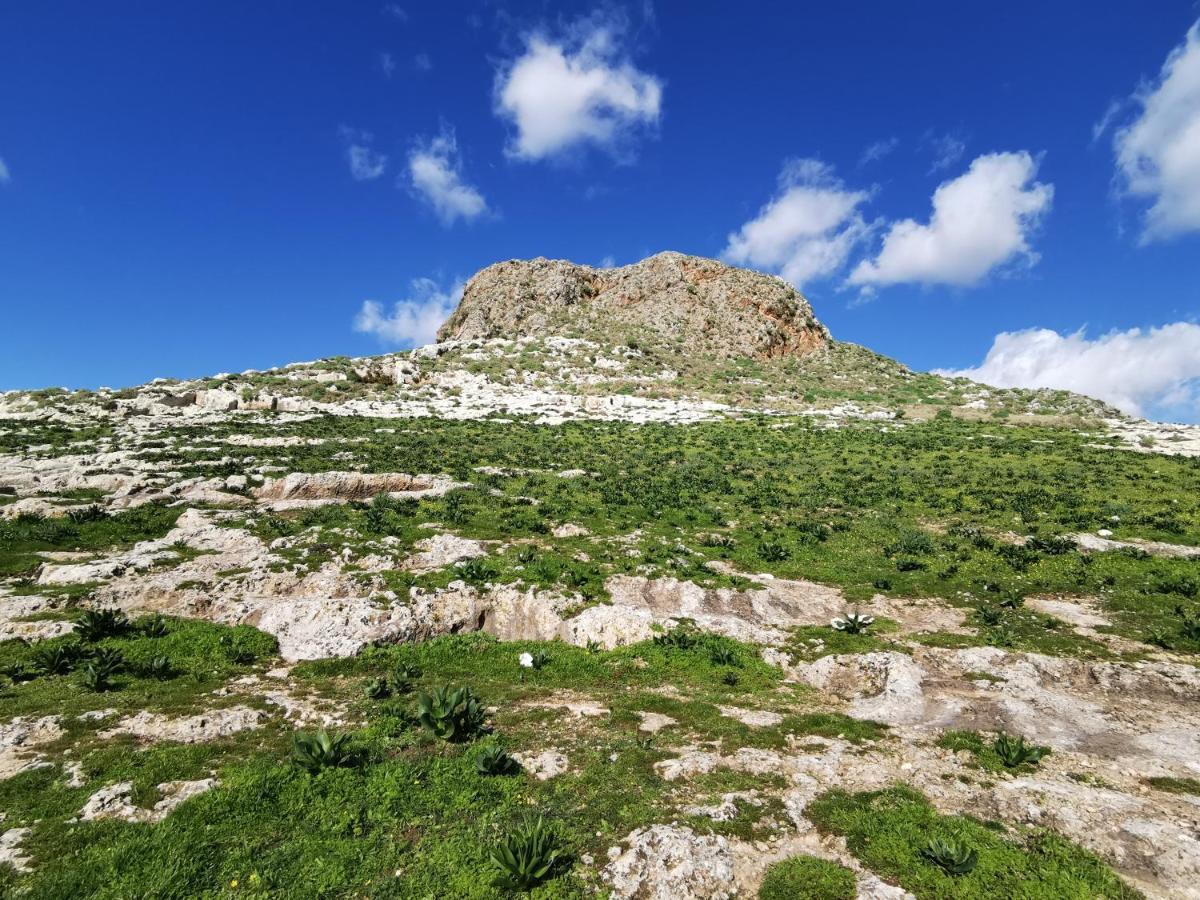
x,y
200,728
19,740
665,862
115,801
301,489
712,307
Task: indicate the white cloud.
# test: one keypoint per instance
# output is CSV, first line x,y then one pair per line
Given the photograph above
x,y
435,171
1158,153
5,176
879,150
413,321
387,63
395,11
1135,370
366,164
981,220
807,230
422,62
561,94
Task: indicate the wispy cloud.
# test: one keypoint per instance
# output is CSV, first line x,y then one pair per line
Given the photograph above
x,y
807,230
879,150
1155,370
5,175
981,220
395,11
947,150
1158,152
366,164
387,64
435,174
413,321
577,89
422,62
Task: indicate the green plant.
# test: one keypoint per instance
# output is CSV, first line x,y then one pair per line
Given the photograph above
x,y
493,760
1014,752
403,676
377,689
852,623
97,624
724,655
97,675
772,551
678,638
56,660
527,856
158,668
314,752
449,713
951,856
154,626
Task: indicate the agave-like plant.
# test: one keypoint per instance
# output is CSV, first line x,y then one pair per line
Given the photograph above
x,y
449,713
494,760
723,655
527,856
159,668
96,624
314,752
57,660
1014,752
951,856
678,638
852,622
154,626
97,674
377,689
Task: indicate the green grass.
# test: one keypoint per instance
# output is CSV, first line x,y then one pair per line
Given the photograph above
x,y
1175,785
887,829
807,878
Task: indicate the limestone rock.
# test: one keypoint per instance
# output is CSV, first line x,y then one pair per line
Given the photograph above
x,y
708,306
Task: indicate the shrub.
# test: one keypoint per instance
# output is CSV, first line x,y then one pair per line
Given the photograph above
x,y
377,689
154,626
97,674
951,856
314,752
527,856
158,668
494,760
57,660
449,713
808,877
678,638
723,655
97,624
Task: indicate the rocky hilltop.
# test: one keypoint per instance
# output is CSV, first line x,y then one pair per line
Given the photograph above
x,y
698,305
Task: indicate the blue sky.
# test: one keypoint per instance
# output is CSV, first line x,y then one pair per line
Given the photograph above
x,y
193,188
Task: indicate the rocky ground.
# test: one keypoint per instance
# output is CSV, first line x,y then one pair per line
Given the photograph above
x,y
643,564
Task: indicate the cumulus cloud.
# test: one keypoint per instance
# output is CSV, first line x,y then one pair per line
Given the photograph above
x,y
413,321
5,177
1138,371
564,93
807,230
981,220
366,164
1158,152
435,171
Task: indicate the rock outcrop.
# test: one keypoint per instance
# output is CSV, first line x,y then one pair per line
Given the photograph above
x,y
701,305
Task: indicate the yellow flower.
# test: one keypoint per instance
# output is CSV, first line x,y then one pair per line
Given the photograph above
x,y
233,883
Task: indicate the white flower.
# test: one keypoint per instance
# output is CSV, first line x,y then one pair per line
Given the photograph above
x,y
526,660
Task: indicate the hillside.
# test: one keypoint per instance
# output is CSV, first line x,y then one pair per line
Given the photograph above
x,y
740,610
